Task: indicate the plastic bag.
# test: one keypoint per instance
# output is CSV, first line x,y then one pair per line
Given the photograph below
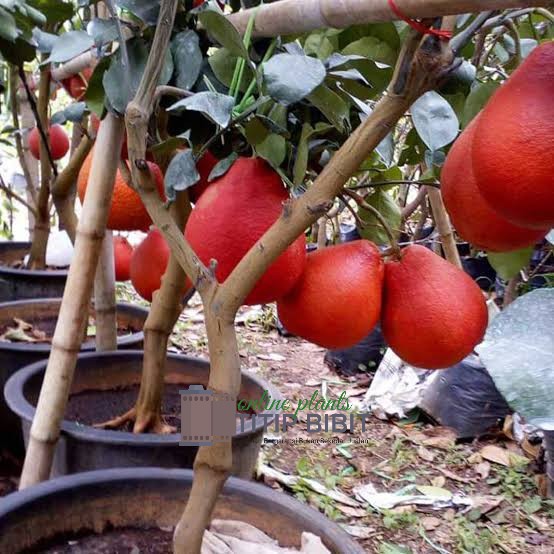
x,y
465,398
364,356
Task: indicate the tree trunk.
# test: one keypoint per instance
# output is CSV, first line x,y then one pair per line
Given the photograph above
x,y
37,257
164,312
29,166
75,306
213,463
104,297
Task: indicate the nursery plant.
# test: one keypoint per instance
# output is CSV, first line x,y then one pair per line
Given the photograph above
x,y
272,120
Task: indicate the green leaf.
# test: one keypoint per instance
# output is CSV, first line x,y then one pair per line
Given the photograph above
x,y
274,147
477,99
390,548
223,32
146,10
255,131
75,112
332,106
290,78
181,174
102,31
8,28
45,41
509,264
319,44
302,151
223,65
121,82
187,58
55,11
373,49
434,120
222,166
69,45
388,208
532,505
17,52
94,95
217,107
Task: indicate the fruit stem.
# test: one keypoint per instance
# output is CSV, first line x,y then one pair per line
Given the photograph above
x,y
377,214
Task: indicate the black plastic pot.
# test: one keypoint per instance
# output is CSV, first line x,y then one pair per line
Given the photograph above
x,y
19,284
15,355
481,271
85,448
89,503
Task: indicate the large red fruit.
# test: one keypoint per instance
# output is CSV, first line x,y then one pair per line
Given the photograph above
x,y
123,252
473,217
337,301
433,313
127,212
230,217
514,142
204,166
59,143
148,264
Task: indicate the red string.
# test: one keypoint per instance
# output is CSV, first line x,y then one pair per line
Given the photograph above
x,y
419,27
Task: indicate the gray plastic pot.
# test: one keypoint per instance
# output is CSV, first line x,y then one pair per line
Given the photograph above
x,y
86,448
50,513
15,355
19,284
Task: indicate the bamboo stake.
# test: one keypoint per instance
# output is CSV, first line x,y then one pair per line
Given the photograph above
x,y
290,17
104,297
75,306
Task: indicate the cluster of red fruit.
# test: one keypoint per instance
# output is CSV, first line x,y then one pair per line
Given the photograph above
x,y
497,181
432,313
76,87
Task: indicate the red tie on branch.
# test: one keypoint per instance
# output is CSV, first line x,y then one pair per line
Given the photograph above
x,y
442,35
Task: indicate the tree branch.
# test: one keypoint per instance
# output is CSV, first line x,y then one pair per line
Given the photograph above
x,y
15,196
137,116
290,17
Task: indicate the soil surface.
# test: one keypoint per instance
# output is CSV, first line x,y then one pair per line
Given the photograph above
x,y
116,541
93,407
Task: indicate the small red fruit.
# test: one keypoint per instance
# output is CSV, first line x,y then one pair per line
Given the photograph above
x,y
148,264
76,85
337,301
473,217
59,143
123,252
232,214
433,313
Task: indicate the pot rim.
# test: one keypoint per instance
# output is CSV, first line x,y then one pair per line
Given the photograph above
x,y
234,485
87,346
19,272
18,404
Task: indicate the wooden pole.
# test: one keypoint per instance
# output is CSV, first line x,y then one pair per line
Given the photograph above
x,y
104,297
74,310
289,17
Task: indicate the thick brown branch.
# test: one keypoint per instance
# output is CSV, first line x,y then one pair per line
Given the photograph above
x,y
290,17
